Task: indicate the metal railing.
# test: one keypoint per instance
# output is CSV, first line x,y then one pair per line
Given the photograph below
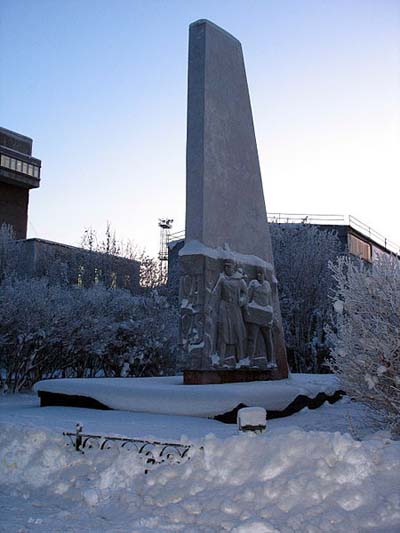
x,y
177,236
152,452
306,218
318,219
339,220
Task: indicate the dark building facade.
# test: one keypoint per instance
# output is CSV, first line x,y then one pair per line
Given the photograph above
x,y
19,172
70,264
356,238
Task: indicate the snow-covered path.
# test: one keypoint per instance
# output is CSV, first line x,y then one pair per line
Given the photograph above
x,y
298,477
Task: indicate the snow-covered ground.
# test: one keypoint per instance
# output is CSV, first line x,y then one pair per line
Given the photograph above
x,y
307,473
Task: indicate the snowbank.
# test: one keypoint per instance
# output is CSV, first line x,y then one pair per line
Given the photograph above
x,y
168,395
288,480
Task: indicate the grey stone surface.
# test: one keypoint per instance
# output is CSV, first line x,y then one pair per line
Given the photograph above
x,y
229,299
224,199
204,319
227,237
259,315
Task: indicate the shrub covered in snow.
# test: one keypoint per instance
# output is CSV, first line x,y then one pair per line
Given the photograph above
x,y
51,330
50,326
302,253
366,337
9,252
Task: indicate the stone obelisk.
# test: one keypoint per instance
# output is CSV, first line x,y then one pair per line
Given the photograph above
x,y
231,326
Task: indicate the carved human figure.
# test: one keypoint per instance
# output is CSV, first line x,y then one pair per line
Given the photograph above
x,y
230,293
260,316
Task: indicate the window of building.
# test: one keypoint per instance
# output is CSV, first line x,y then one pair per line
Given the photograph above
x,y
359,248
5,161
98,275
81,272
19,166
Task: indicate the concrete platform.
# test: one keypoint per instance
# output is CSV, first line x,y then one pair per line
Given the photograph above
x,y
232,375
168,395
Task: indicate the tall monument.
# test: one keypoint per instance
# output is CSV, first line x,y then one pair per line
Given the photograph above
x,y
231,327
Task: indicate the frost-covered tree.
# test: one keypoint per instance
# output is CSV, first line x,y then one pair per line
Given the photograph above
x,y
101,261
9,252
366,334
302,253
144,342
30,313
151,274
51,330
67,318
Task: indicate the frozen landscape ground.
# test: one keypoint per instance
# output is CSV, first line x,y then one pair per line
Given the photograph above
x,y
321,470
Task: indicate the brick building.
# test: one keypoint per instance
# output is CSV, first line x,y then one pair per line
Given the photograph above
x,y
40,257
19,172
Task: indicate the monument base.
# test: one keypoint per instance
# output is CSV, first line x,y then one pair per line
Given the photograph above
x,y
234,375
169,396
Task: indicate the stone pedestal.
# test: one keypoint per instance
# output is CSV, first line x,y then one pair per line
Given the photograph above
x,y
200,314
218,377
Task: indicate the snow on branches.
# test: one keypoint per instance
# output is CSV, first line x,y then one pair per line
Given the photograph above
x,y
10,259
56,331
54,323
366,334
301,254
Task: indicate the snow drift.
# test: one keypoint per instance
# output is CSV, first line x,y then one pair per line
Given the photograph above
x,y
288,480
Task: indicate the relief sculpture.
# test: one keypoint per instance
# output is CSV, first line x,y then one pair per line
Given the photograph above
x,y
229,320
244,317
229,297
191,317
260,318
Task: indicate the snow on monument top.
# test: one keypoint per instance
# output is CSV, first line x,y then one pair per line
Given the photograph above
x,y
224,196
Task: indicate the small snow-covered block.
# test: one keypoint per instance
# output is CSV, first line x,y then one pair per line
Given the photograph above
x,y
252,419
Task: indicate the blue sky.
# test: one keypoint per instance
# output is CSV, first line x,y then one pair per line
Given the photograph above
x,y
101,88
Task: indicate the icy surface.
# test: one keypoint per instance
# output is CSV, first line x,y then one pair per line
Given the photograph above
x,y
168,395
287,480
